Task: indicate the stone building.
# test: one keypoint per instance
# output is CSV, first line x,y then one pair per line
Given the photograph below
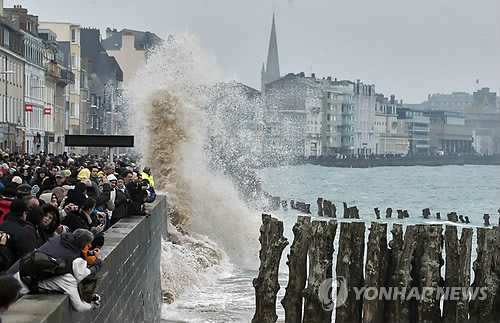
x,y
415,125
105,82
389,139
448,133
130,49
12,117
68,38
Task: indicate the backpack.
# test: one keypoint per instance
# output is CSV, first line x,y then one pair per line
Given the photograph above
x,y
36,266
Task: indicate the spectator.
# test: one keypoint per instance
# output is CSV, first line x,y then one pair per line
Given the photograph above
x,y
9,291
68,246
20,241
5,253
109,169
38,178
61,178
122,201
146,174
50,224
33,220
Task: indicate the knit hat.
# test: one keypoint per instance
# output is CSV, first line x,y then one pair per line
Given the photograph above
x,y
67,172
24,189
83,174
112,177
76,197
17,179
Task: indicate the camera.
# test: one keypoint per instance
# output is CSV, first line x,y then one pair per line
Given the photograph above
x,y
6,234
74,207
102,221
96,300
90,253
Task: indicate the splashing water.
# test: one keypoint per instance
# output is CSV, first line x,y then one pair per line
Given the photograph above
x,y
181,138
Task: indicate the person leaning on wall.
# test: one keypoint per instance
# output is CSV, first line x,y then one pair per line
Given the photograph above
x,y
9,291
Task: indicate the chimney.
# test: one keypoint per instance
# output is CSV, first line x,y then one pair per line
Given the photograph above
x,y
313,75
109,33
393,99
329,78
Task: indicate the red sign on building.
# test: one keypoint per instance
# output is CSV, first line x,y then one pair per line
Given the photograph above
x,y
47,110
29,107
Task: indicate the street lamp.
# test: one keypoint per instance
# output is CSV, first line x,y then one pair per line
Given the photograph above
x,y
5,107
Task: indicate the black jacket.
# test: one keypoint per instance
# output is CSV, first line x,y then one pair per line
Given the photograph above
x,y
122,202
75,220
21,241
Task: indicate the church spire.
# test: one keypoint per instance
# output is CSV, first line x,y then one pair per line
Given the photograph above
x,y
273,65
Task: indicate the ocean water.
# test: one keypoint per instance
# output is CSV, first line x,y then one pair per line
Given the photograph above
x,y
227,294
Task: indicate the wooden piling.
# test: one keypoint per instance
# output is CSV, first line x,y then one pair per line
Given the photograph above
x,y
320,206
376,271
401,255
388,212
346,211
320,269
377,213
462,309
350,266
266,284
487,271
297,263
428,272
452,263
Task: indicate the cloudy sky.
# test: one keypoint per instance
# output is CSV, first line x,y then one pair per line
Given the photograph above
x,y
405,47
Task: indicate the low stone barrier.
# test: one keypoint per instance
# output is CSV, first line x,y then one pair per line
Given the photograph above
x,y
131,291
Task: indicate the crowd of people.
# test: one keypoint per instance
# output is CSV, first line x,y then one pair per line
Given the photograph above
x,y
61,206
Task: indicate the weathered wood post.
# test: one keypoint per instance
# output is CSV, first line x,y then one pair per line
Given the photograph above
x,y
297,264
334,210
425,213
350,268
377,213
400,214
320,269
292,204
376,272
388,212
397,310
457,273
438,215
346,211
467,219
427,272
461,218
352,212
266,284
330,209
307,208
320,206
486,219
487,272
405,214
284,205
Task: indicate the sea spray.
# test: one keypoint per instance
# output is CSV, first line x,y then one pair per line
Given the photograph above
x,y
169,120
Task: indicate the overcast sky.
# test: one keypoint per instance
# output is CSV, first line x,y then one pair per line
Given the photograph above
x,y
405,47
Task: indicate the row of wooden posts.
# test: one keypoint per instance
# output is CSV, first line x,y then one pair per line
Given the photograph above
x,y
328,209
412,259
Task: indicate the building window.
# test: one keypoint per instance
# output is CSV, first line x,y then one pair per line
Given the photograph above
x,y
6,37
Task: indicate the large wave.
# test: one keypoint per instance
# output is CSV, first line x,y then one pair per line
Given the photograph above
x,y
175,130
